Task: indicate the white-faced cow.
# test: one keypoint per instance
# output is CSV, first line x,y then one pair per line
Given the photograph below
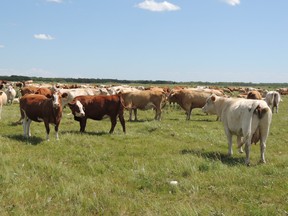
x,y
273,99
38,108
249,119
96,107
3,100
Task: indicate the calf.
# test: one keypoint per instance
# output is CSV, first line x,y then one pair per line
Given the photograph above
x,y
249,119
36,107
96,107
273,99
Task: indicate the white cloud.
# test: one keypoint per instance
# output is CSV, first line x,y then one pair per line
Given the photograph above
x,y
1,46
232,2
55,1
43,37
157,6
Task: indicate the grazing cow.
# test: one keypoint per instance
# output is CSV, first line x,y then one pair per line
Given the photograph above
x,y
96,107
189,99
254,95
249,119
273,99
36,107
144,100
11,94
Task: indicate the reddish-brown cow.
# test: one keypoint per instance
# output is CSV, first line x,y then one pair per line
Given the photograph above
x,y
36,90
96,107
35,107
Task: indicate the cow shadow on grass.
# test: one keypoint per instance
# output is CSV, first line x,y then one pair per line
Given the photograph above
x,y
33,140
216,156
93,133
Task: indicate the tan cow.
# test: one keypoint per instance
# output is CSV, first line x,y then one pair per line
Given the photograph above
x,y
144,100
254,95
189,99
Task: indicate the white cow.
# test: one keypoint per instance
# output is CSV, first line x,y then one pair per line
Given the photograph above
x,y
273,99
245,118
11,94
3,100
69,94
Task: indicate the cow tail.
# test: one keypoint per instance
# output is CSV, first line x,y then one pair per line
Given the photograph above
x,y
260,112
123,103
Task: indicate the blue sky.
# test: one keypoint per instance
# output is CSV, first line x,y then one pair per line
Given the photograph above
x,y
176,40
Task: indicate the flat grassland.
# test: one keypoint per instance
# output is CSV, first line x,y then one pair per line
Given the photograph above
x,y
96,173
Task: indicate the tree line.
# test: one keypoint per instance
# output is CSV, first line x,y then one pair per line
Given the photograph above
x,y
17,78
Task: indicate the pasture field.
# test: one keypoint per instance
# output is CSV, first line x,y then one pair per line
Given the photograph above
x,y
96,173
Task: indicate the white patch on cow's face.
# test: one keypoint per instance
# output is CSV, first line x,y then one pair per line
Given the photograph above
x,y
81,112
55,98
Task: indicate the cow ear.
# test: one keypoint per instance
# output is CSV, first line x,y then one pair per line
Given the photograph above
x,y
1,92
64,95
213,98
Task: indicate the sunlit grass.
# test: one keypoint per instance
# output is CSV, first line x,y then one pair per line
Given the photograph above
x,y
130,174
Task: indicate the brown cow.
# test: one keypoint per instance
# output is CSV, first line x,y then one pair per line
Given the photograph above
x,y
144,100
189,99
34,107
254,95
36,90
96,107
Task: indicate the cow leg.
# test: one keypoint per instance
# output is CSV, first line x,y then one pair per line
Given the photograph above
x,y
158,114
56,131
113,123
24,123
239,143
135,115
189,114
229,138
47,129
122,121
28,127
130,114
247,151
83,122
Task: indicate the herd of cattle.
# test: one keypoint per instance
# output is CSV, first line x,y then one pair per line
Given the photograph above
x,y
248,118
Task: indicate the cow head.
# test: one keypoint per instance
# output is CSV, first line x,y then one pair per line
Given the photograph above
x,y
56,100
77,108
209,107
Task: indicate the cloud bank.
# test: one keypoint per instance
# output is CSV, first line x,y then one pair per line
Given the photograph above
x,y
232,2
157,6
43,37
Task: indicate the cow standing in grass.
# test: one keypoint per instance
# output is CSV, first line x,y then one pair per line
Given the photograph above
x,y
249,119
96,107
273,99
36,107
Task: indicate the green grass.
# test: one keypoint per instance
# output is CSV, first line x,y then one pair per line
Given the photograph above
x,y
96,173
